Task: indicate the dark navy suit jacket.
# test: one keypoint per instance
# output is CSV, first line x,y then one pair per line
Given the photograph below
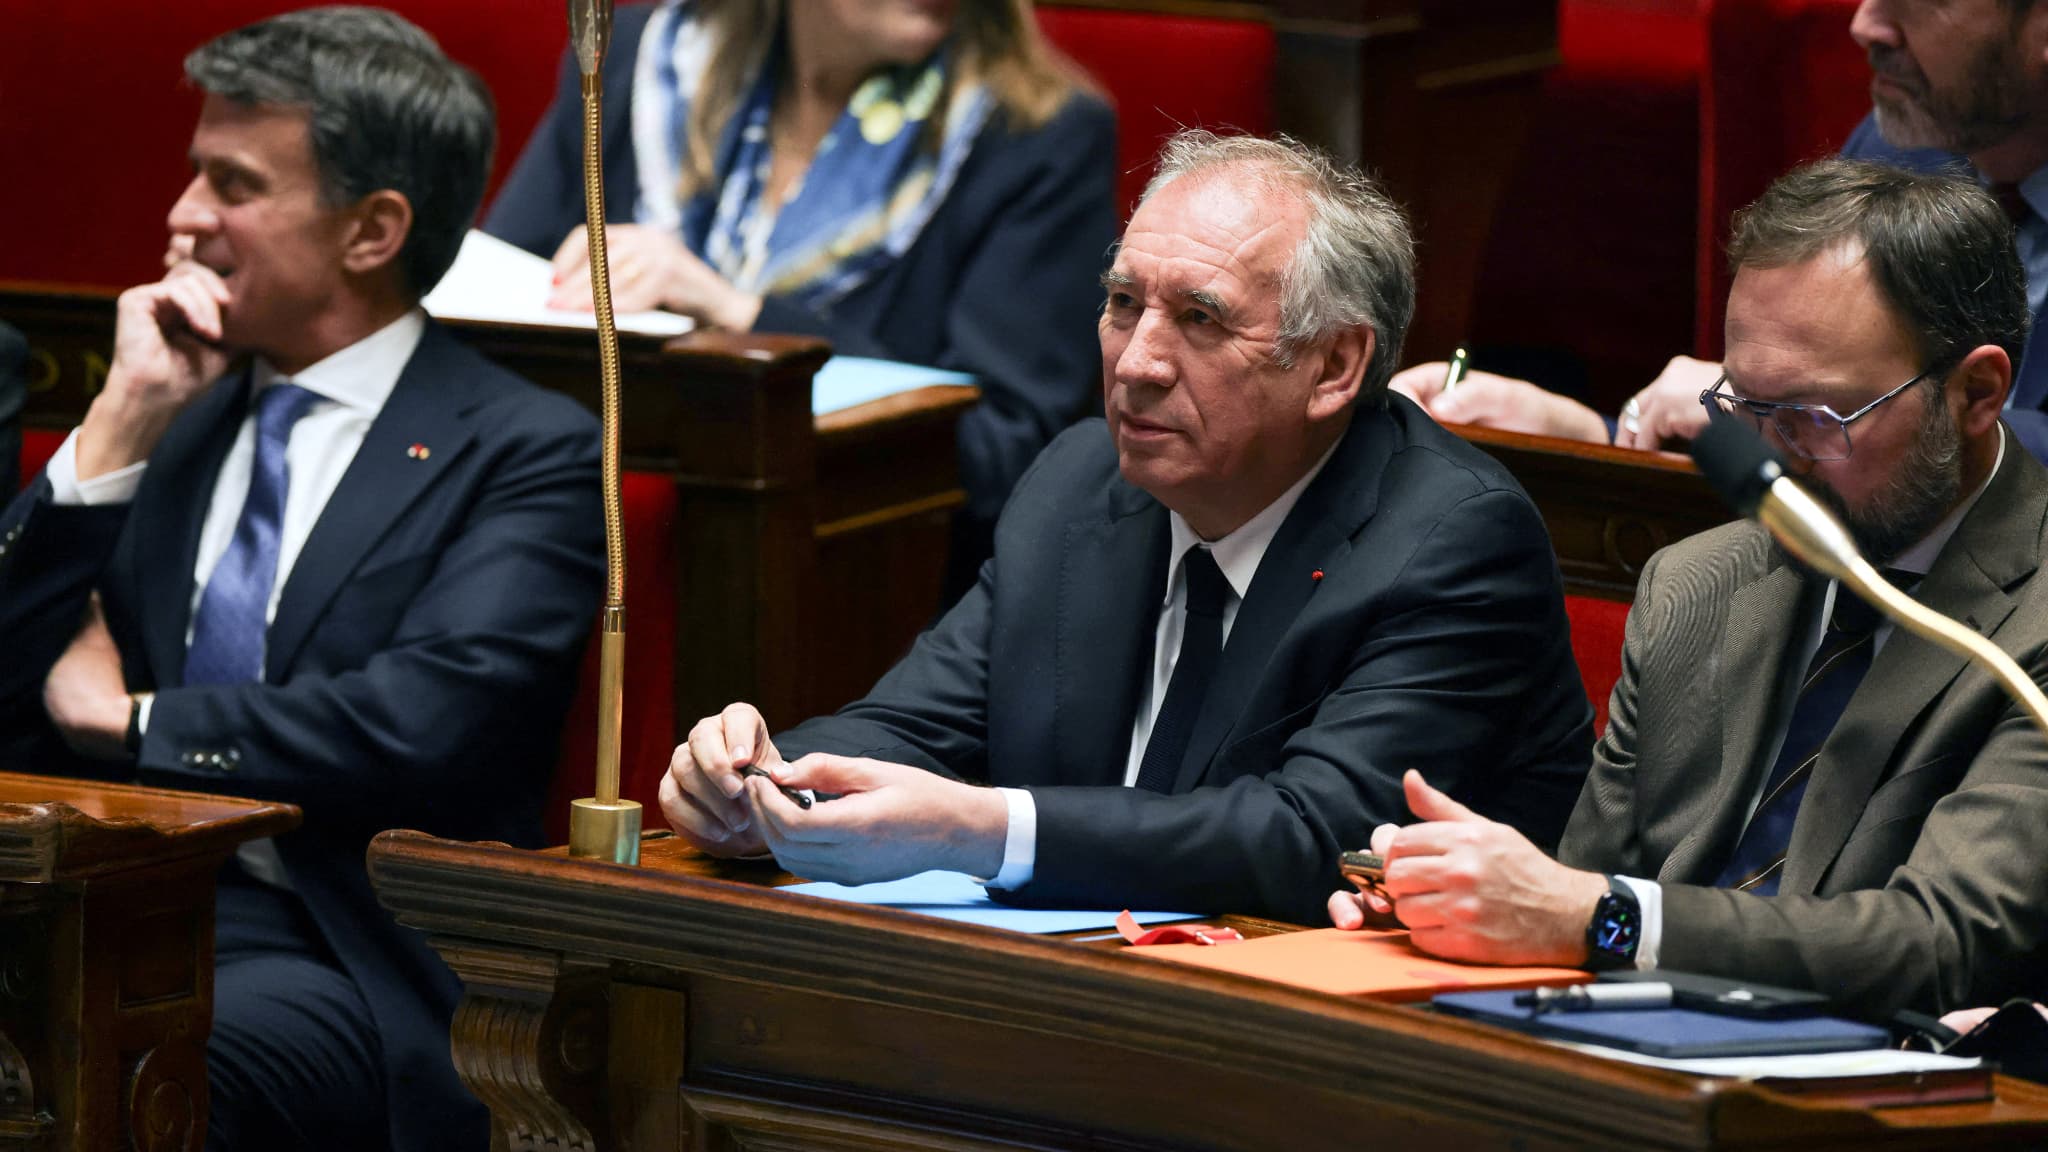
x,y
423,655
1001,283
1407,614
13,391
2026,417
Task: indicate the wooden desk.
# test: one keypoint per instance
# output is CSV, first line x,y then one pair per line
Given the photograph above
x,y
773,507
106,959
1608,509
667,1007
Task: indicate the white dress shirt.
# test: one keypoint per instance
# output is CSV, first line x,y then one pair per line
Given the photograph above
x,y
1238,555
352,385
1918,560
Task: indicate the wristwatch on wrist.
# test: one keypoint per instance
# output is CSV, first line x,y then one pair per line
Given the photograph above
x,y
1615,930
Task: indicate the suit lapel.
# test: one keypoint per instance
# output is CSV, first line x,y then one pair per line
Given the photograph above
x,y
170,514
2030,390
1112,580
380,484
1316,534
1968,582
1764,618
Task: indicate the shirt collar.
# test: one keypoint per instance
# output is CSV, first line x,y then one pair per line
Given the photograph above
x,y
362,375
1919,559
1239,553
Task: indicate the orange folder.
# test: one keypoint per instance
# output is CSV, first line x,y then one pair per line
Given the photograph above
x,y
1375,965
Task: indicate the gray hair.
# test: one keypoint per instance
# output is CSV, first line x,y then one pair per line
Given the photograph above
x,y
388,110
1355,266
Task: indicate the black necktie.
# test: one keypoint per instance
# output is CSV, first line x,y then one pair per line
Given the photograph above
x,y
2015,205
1201,647
1831,679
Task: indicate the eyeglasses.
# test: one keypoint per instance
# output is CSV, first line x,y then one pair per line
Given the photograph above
x,y
1812,431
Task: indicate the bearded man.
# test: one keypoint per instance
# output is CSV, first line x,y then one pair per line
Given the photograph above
x,y
1788,790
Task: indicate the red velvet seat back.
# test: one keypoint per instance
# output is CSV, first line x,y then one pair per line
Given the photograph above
x,y
1597,630
1784,84
97,116
1166,72
37,446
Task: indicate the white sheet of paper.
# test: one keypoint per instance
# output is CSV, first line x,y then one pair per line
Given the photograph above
x,y
500,282
1804,1066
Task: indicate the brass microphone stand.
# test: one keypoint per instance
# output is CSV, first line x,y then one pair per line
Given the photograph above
x,y
604,826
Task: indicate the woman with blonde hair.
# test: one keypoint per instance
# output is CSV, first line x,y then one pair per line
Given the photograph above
x,y
915,180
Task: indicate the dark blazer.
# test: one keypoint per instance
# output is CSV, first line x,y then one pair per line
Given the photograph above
x,y
1433,638
1001,283
2028,415
422,658
1914,877
13,393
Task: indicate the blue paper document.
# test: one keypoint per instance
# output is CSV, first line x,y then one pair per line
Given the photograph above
x,y
845,381
955,896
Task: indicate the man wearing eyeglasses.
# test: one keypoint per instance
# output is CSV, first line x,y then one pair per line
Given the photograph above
x,y
1788,792
1956,85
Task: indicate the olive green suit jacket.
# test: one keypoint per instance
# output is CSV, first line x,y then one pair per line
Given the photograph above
x,y
1917,873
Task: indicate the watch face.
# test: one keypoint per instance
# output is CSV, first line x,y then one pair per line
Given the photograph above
x,y
1616,930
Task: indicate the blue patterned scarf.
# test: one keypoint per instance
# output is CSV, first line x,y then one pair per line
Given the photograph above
x,y
870,190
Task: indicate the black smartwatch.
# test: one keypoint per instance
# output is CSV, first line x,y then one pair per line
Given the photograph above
x,y
1616,929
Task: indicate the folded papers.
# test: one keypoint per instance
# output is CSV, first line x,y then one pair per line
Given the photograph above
x,y
1374,965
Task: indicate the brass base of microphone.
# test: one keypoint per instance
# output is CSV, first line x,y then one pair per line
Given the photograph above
x,y
602,831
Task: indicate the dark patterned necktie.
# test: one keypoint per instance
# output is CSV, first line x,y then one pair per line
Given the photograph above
x,y
2011,202
1201,648
228,630
1837,668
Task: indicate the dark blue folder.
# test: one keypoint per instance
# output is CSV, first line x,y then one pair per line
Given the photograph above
x,y
1674,1033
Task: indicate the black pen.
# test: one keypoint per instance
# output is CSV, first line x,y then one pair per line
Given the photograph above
x,y
800,799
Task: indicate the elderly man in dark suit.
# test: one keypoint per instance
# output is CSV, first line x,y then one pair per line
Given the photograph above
x,y
1216,626
324,554
1790,791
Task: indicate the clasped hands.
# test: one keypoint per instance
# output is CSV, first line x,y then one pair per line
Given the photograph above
x,y
1470,889
885,820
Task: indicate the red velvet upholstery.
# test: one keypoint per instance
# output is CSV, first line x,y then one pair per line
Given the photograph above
x,y
1784,84
1597,629
37,446
1165,73
98,116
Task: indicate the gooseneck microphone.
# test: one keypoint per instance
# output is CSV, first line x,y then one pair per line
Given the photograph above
x,y
1751,478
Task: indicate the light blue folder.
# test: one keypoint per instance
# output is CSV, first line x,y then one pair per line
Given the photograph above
x,y
845,381
955,896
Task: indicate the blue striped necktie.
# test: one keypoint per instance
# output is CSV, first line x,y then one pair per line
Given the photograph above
x,y
228,631
1837,668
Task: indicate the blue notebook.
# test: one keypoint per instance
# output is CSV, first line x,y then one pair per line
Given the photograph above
x,y
1676,1033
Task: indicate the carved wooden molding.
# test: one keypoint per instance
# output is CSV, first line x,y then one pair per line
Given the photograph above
x,y
744,1124
166,1098
528,1039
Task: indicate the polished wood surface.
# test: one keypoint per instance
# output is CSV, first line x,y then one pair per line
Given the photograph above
x,y
1434,96
777,511
1608,509
684,1005
106,959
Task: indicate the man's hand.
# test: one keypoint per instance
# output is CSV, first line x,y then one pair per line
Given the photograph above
x,y
1470,889
1669,410
651,268
166,352
85,694
888,821
704,796
1493,401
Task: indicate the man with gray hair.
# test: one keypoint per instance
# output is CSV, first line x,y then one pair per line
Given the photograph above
x,y
323,553
1789,791
1218,624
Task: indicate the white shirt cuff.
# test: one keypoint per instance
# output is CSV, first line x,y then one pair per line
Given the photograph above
x,y
1020,844
142,713
116,487
1650,898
